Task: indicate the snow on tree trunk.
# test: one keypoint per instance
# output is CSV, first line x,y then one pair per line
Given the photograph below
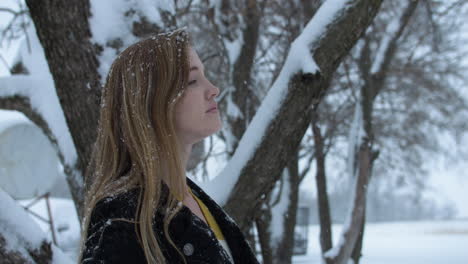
x,y
283,247
277,220
356,133
341,252
279,210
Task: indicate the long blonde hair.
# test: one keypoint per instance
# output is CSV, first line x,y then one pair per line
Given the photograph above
x,y
136,143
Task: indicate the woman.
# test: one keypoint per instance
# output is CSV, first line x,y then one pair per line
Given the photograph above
x,y
140,207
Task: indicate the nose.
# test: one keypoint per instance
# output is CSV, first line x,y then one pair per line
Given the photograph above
x,y
213,90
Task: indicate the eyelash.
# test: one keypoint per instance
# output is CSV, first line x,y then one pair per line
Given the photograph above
x,y
192,82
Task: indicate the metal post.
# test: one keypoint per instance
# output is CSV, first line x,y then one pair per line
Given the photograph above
x,y
49,212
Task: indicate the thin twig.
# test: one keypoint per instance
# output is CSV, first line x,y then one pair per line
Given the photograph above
x,y
5,62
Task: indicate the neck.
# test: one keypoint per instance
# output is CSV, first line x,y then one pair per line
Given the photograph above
x,y
185,154
186,150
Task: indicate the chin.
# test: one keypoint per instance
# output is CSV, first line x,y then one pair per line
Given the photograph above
x,y
220,126
214,131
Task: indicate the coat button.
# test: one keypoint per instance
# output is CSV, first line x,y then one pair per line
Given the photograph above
x,y
188,249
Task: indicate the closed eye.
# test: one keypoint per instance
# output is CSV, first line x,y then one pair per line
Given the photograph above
x,y
192,82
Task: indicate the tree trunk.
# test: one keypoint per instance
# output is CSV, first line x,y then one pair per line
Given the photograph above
x,y
43,255
357,251
63,30
250,236
243,95
322,194
373,84
342,252
73,63
263,223
284,252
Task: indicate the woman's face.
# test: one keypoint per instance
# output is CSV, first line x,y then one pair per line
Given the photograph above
x,y
193,121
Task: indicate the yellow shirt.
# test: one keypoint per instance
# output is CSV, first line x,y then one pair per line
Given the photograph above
x,y
212,224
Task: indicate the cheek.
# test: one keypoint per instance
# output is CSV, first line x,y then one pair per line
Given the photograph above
x,y
188,110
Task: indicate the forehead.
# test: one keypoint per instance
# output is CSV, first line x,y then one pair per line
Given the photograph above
x,y
194,59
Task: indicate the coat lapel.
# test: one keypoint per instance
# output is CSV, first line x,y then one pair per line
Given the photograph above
x,y
240,249
192,236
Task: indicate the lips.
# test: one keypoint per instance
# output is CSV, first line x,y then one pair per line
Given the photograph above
x,y
215,106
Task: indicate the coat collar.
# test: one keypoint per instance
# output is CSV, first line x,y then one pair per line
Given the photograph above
x,y
186,226
240,249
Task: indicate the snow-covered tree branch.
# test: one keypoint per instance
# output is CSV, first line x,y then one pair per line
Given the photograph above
x,y
21,239
35,97
284,115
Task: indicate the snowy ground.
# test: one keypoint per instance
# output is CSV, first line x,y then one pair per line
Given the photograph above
x,y
428,242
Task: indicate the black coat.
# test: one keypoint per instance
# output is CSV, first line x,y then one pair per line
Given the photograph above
x,y
113,241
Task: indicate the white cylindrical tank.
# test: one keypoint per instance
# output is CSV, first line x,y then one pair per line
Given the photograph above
x,y
29,165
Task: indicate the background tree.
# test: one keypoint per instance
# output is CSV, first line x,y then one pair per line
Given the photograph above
x,y
370,70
